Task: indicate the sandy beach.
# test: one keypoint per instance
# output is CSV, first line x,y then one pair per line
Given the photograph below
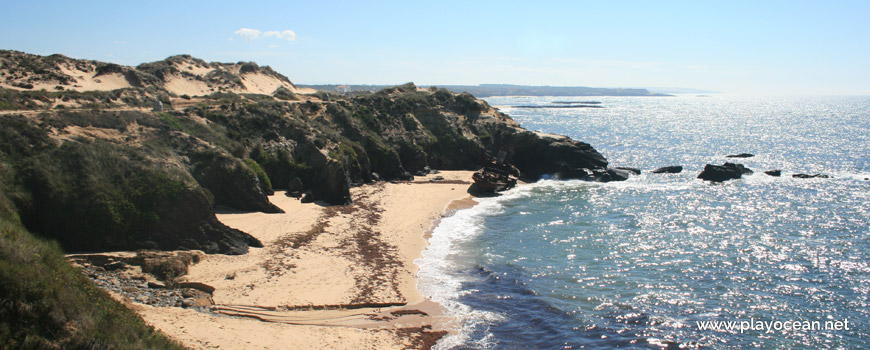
x,y
328,277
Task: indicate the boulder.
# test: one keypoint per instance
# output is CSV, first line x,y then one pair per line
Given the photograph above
x,y
536,154
672,169
307,198
813,176
617,174
198,286
740,155
605,175
725,172
635,171
295,185
775,173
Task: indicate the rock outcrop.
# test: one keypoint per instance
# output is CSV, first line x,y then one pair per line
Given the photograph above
x,y
634,171
811,176
724,172
673,169
740,155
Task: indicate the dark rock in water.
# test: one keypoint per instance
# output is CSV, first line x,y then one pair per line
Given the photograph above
x,y
608,175
724,172
635,171
536,154
617,174
295,194
813,176
673,169
740,155
295,185
776,173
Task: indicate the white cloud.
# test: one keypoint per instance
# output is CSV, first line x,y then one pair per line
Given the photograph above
x,y
286,34
248,34
252,34
275,46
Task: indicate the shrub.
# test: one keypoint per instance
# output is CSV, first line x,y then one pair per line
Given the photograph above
x,y
265,183
171,121
125,196
48,304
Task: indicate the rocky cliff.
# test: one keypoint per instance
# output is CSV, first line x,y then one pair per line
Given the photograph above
x,y
99,170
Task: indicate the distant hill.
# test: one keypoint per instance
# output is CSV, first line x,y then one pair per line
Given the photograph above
x,y
487,90
180,75
679,90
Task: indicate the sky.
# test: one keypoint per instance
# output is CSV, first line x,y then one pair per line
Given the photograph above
x,y
735,47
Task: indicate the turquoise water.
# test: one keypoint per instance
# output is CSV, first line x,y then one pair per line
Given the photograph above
x,y
638,264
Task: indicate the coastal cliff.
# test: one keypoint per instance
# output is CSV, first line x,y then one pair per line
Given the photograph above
x,y
103,157
152,178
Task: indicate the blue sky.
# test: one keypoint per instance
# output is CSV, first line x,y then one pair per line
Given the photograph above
x,y
739,47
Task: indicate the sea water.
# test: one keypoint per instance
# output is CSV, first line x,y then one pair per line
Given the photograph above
x,y
653,261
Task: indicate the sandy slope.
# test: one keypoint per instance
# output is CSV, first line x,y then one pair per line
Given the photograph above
x,y
327,277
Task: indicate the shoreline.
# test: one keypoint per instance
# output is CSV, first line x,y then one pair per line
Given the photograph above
x,y
339,277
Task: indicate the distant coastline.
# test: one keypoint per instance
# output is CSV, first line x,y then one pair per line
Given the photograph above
x,y
488,90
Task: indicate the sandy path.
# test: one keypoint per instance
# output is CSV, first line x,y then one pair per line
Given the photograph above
x,y
328,276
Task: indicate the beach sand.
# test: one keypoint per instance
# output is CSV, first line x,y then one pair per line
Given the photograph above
x,y
328,277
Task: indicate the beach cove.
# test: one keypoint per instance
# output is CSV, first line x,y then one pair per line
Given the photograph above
x,y
338,277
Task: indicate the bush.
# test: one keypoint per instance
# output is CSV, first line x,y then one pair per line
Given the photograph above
x,y
48,304
126,198
265,183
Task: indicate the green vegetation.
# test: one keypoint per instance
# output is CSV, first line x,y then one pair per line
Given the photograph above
x,y
126,197
265,183
18,100
170,120
280,167
45,303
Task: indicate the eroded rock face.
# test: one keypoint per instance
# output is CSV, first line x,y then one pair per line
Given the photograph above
x,y
537,154
724,172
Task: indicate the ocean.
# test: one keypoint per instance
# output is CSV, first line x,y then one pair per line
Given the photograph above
x,y
660,260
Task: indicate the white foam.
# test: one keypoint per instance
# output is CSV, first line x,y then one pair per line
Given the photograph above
x,y
440,277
